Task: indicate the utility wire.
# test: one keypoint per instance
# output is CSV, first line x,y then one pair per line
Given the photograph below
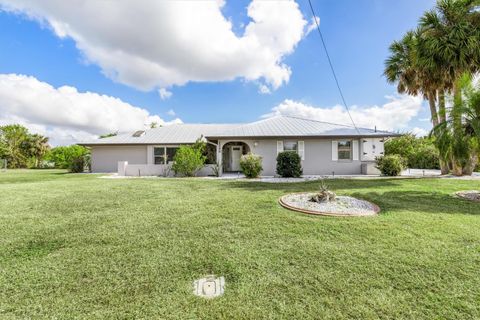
x,y
331,65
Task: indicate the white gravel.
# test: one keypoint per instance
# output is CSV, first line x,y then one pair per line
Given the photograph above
x,y
473,195
343,205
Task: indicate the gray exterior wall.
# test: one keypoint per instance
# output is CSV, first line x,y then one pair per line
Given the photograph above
x,y
318,157
106,158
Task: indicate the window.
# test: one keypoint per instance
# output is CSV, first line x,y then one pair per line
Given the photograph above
x,y
159,155
290,145
171,154
162,153
345,150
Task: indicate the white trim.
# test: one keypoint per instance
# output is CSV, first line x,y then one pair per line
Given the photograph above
x,y
334,150
279,146
355,150
301,149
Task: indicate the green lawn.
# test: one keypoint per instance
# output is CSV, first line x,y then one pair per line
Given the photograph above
x,y
76,246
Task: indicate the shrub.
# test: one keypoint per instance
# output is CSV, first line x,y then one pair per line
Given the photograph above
x,y
251,165
391,165
418,152
289,164
77,165
188,160
216,169
64,156
324,195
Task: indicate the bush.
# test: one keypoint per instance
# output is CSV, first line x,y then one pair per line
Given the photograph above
x,y
391,165
64,156
419,153
188,160
289,164
77,165
251,165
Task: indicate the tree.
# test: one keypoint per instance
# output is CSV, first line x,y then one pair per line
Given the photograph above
x,y
14,144
432,60
404,68
452,42
64,156
37,147
154,125
108,135
463,142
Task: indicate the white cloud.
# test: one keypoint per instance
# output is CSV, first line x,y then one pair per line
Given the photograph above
x,y
156,44
312,25
164,93
263,89
419,132
64,114
171,112
395,114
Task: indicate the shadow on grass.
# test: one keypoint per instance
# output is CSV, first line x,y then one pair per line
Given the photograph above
x,y
393,197
313,185
429,202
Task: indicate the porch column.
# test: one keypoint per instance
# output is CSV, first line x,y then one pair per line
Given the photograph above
x,y
219,157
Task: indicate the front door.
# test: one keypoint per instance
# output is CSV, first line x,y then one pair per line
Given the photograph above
x,y
235,154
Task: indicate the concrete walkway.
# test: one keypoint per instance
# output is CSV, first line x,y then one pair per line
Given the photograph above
x,y
409,173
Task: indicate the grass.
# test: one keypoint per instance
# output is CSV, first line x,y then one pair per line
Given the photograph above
x,y
73,246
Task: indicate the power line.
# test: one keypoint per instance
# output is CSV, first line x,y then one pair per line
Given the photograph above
x,y
331,65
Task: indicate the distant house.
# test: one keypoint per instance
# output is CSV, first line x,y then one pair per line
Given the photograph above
x,y
324,148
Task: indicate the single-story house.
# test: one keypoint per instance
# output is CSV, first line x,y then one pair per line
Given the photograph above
x,y
325,148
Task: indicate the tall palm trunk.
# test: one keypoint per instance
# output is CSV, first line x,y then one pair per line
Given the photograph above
x,y
442,113
457,167
433,108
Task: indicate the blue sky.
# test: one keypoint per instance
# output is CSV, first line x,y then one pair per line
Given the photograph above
x,y
357,33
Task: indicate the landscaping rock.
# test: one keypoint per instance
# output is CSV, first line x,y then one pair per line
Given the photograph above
x,y
342,206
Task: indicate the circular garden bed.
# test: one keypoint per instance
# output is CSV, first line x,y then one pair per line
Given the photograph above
x,y
472,195
343,206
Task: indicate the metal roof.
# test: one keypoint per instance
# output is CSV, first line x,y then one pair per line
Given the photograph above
x,y
287,126
279,126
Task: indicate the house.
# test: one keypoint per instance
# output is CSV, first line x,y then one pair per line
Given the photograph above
x,y
325,148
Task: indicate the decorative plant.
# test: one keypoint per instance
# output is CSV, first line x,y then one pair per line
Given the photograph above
x,y
188,160
251,165
324,195
216,169
390,165
289,164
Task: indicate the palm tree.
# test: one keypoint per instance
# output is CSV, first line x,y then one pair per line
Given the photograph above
x,y
451,40
463,142
37,147
403,67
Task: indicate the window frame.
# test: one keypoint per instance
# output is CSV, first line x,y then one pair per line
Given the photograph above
x,y
296,145
343,149
163,156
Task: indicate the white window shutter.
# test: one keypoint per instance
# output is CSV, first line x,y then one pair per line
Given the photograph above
x,y
279,146
334,150
301,149
355,150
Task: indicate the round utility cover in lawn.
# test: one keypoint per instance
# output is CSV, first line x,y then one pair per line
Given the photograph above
x,y
343,206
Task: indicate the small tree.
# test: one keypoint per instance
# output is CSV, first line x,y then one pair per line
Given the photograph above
x,y
391,165
251,165
289,164
188,160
